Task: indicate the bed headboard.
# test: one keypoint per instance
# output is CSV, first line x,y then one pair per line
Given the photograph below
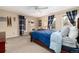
x,y
78,23
78,29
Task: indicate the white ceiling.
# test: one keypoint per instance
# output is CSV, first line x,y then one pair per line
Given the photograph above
x,y
30,10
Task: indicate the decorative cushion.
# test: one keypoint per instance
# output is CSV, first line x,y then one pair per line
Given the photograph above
x,y
73,32
65,31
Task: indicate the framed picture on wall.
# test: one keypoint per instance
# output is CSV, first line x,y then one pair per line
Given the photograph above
x,y
9,21
14,18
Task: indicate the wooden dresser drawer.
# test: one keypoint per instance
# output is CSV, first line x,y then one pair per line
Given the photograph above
x,y
2,47
2,42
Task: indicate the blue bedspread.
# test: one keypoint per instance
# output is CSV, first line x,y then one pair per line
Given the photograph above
x,y
43,36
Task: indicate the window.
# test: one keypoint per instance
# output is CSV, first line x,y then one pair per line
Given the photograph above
x,y
51,22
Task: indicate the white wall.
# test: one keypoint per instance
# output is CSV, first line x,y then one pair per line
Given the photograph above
x,y
30,26
44,22
11,31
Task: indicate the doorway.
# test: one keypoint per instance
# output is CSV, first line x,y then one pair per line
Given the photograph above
x,y
22,25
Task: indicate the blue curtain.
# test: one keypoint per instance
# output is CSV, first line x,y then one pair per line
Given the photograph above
x,y
72,15
50,20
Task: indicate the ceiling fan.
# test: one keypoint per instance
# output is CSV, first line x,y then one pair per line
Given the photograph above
x,y
40,7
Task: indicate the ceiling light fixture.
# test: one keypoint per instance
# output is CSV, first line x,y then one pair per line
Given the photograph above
x,y
40,7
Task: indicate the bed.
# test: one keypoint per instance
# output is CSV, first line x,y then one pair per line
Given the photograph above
x,y
42,37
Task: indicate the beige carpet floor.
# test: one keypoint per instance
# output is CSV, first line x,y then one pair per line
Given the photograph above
x,y
23,45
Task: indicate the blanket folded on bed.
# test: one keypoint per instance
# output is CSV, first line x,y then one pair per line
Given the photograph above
x,y
56,41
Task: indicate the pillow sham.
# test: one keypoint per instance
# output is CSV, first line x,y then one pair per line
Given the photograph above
x,y
73,32
65,31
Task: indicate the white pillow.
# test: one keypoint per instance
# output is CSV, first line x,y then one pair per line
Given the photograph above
x,y
73,32
65,31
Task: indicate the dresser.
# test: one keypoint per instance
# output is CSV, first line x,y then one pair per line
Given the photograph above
x,y
2,42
